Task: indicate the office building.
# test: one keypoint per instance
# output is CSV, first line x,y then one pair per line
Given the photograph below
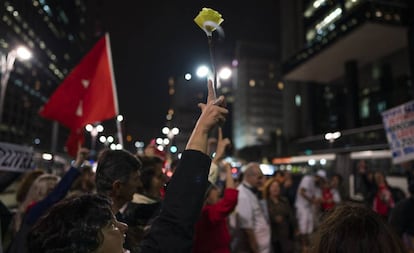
x,y
58,34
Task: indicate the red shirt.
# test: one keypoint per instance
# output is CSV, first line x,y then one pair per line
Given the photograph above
x,y
211,231
383,200
327,199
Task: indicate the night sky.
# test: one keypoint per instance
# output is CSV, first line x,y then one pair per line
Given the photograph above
x,y
151,43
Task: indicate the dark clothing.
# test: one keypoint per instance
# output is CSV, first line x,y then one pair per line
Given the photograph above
x,y
138,217
401,217
172,231
284,228
34,213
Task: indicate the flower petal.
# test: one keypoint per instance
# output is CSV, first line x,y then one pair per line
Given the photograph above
x,y
208,20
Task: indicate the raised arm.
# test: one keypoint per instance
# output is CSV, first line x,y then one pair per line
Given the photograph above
x,y
172,230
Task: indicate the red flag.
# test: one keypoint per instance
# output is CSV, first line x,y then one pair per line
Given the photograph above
x,y
88,93
74,141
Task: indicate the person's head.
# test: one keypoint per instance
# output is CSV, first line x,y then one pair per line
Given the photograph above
x,y
86,181
212,195
271,188
253,175
80,224
288,180
379,178
320,177
41,187
152,177
26,182
336,180
280,176
117,176
354,228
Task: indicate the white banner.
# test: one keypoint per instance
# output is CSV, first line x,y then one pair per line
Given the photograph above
x,y
15,157
399,127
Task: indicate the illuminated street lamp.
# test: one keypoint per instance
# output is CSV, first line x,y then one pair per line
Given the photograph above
x,y
94,131
331,137
6,67
106,140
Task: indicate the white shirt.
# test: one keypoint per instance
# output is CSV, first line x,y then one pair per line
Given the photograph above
x,y
307,183
251,216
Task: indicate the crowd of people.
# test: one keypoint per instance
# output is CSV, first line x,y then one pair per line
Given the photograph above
x,y
130,205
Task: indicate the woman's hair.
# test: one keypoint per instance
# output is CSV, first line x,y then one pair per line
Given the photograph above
x,y
266,187
148,170
27,180
354,228
72,225
40,187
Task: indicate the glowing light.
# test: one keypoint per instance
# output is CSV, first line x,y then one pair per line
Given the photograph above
x,y
202,71
47,156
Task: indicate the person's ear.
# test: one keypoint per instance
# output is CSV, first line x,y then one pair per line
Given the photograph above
x,y
116,186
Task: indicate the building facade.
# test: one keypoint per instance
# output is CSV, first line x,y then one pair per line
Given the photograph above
x,y
58,34
353,64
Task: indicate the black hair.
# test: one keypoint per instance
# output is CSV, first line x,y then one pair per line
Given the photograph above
x,y
72,225
114,165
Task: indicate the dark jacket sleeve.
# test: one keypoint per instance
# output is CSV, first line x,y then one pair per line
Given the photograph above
x,y
58,193
172,230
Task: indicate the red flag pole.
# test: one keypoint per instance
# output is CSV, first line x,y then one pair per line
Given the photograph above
x,y
118,123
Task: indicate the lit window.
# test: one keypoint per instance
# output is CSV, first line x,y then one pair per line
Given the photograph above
x,y
298,100
260,131
252,83
365,108
280,85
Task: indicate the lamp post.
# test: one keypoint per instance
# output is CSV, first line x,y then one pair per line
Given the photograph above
x,y
106,140
6,67
331,137
170,133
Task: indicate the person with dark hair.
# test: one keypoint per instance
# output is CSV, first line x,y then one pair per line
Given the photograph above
x,y
85,183
146,201
383,200
117,176
401,219
172,230
82,224
355,228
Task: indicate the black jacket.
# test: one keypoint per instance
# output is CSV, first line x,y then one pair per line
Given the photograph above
x,y
172,231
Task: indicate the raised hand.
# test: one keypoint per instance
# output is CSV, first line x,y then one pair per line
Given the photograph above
x,y
212,114
222,144
81,156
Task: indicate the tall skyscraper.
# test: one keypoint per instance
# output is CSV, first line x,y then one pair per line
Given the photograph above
x,y
258,104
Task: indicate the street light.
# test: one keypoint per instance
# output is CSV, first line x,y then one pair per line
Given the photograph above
x,y
331,137
94,131
106,140
6,67
223,74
